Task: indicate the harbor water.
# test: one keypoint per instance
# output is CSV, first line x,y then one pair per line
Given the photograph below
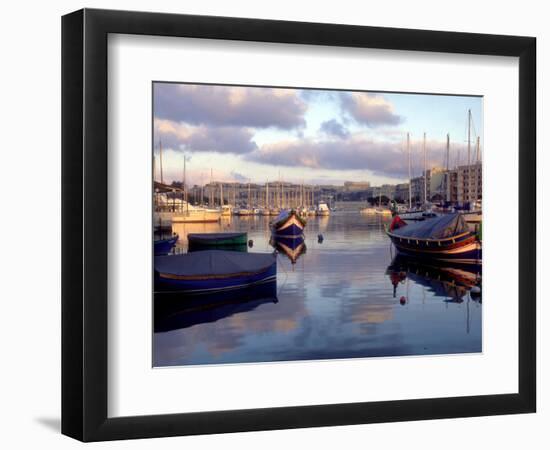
x,y
344,294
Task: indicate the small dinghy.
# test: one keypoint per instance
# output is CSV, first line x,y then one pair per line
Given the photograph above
x,y
199,241
445,238
213,270
164,246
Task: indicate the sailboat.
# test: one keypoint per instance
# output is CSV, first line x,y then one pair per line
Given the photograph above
x,y
194,214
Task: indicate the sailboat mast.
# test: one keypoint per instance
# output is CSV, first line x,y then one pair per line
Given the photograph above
x,y
410,178
469,150
448,148
248,194
160,157
267,194
425,172
221,194
185,185
202,190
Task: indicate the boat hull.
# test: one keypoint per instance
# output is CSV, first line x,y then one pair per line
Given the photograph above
x,y
198,216
222,283
461,250
213,271
164,246
233,241
291,225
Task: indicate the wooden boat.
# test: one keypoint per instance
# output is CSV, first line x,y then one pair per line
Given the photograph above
x,y
213,270
164,246
292,247
199,241
288,224
445,238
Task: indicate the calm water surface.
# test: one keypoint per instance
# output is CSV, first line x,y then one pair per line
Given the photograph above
x,y
345,297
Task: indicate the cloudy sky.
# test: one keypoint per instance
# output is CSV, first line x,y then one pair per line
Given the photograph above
x,y
304,135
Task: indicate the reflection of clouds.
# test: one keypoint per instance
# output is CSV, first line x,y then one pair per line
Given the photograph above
x,y
337,303
210,341
367,313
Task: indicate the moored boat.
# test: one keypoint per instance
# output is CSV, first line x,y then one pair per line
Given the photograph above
x,y
288,223
213,270
244,212
193,214
199,241
226,211
445,238
323,209
164,246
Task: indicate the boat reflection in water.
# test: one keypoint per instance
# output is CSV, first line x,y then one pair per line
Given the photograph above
x,y
292,247
174,311
454,283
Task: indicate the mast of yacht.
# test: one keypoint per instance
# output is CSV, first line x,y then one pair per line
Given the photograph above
x,y
267,194
202,190
476,172
160,157
469,150
410,178
448,148
211,189
425,172
185,199
248,206
221,194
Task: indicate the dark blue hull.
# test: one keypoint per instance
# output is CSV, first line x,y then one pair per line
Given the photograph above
x,y
290,231
164,246
288,224
215,284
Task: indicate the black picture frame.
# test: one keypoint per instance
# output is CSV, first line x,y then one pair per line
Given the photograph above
x,y
84,224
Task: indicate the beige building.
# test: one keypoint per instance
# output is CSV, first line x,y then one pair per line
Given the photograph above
x,y
464,184
353,186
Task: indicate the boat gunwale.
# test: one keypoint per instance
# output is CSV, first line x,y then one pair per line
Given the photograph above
x,y
458,236
170,276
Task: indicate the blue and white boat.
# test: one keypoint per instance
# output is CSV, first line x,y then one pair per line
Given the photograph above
x,y
213,270
288,224
165,246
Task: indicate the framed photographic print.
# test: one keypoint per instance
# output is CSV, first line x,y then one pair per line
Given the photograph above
x,y
274,224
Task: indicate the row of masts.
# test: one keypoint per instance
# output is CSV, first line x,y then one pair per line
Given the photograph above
x,y
447,161
271,195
